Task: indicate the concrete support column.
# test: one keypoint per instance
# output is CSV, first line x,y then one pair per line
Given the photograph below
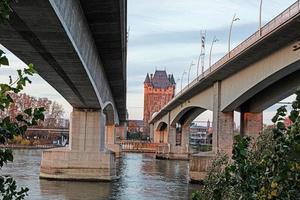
x,y
166,136
178,152
102,131
110,140
152,133
223,124
156,136
84,158
172,136
110,134
121,131
251,123
185,138
85,131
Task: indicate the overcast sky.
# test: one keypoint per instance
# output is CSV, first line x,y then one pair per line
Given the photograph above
x,y
165,34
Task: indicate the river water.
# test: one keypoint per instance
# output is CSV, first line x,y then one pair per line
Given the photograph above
x,y
141,177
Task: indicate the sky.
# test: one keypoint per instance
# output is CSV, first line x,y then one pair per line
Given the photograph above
x,y
165,34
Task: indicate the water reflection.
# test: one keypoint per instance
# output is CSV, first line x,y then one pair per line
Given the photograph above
x,y
140,177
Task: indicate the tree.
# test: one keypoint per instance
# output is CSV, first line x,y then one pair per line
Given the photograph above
x,y
11,126
53,114
53,110
269,169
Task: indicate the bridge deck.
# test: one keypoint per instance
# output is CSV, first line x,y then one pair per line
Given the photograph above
x,y
282,30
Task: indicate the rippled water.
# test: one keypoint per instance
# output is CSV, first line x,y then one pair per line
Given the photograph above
x,y
141,177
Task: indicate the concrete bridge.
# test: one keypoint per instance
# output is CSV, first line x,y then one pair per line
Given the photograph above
x,y
79,48
258,73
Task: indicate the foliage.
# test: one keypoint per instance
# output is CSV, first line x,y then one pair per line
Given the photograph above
x,y
5,11
9,128
269,169
13,126
134,136
53,111
19,139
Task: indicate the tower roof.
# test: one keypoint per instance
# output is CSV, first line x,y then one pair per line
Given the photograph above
x,y
147,79
160,79
172,80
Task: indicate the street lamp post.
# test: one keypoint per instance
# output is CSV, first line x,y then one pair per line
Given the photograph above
x,y
260,13
184,72
211,47
192,64
230,30
177,81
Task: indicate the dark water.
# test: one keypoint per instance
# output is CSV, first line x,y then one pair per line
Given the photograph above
x,y
141,177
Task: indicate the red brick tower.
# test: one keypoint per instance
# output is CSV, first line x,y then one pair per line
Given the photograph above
x,y
158,91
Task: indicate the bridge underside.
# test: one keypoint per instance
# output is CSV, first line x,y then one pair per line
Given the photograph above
x,y
78,47
274,93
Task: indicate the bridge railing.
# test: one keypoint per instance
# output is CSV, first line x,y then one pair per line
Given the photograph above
x,y
252,39
138,146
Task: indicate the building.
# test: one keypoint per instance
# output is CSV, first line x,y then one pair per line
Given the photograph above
x,y
200,134
159,89
135,126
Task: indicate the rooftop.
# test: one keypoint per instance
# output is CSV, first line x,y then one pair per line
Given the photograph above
x,y
160,79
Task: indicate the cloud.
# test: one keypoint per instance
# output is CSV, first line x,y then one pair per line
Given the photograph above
x,y
165,35
240,32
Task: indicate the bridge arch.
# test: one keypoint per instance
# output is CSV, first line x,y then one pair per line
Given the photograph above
x,y
180,124
110,113
161,132
262,83
281,88
187,115
162,125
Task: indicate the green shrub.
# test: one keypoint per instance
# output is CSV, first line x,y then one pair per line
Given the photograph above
x,y
9,126
269,169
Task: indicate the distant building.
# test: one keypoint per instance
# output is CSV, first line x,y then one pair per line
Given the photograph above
x,y
159,89
135,126
200,134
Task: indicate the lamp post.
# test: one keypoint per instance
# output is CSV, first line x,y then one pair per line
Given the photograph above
x,y
211,47
192,64
260,13
230,30
184,72
177,81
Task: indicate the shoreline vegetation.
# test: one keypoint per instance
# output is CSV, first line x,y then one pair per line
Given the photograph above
x,y
19,146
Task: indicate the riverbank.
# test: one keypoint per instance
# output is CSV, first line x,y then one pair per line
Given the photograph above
x,y
18,146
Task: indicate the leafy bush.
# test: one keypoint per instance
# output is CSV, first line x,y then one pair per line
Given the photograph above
x,y
269,169
19,139
9,127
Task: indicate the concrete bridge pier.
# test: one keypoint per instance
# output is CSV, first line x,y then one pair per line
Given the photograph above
x,y
86,157
223,124
223,127
121,131
251,124
110,140
177,147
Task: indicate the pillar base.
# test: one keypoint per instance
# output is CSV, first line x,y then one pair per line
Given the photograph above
x,y
167,152
64,164
172,156
116,148
199,165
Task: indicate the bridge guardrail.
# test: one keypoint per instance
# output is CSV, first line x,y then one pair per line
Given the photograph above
x,y
265,30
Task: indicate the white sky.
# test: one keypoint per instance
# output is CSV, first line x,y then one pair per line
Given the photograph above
x,y
166,34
